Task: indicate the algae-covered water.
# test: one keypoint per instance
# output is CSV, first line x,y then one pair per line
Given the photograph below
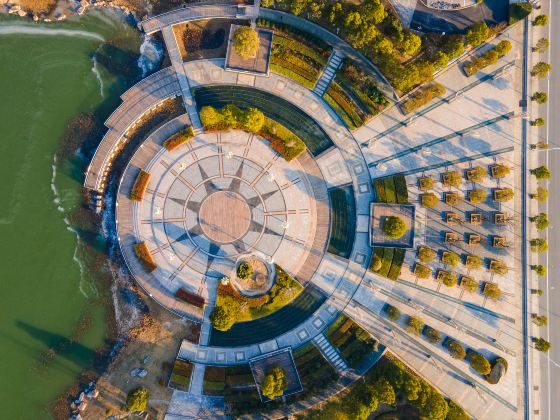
x,y
49,74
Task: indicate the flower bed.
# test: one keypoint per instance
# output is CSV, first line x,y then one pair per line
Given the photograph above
x,y
140,185
178,139
143,253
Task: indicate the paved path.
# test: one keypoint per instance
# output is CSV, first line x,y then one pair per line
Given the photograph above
x,y
328,73
330,353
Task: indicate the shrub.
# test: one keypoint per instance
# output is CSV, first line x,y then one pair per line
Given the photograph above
x,y
450,258
477,195
500,171
540,320
519,11
422,271
429,200
244,270
541,195
478,33
503,47
422,96
274,383
473,262
246,42
479,363
426,254
456,350
137,400
540,97
140,185
476,174
541,69
542,45
537,122
541,20
178,139
492,291
542,172
433,335
539,269
223,317
394,227
393,313
143,253
539,245
503,194
414,325
452,179
476,64
541,221
541,344
376,263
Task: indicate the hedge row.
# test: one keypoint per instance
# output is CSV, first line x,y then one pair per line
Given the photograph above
x,y
189,297
488,58
178,139
143,253
392,190
140,185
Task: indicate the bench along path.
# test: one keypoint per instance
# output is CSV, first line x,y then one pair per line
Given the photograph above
x,y
329,72
330,353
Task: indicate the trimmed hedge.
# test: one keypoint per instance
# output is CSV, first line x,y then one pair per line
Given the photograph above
x,y
143,253
380,190
401,189
189,297
387,260
178,139
390,193
140,185
396,264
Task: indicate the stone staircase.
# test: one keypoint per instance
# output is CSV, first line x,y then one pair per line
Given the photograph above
x,y
335,60
330,353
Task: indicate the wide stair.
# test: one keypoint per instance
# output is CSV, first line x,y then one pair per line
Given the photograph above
x,y
330,353
335,60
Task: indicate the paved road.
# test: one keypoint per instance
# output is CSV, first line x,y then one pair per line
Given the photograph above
x,y
550,372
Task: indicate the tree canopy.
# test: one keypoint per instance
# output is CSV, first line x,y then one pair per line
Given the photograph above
x,y
394,227
274,383
137,400
246,42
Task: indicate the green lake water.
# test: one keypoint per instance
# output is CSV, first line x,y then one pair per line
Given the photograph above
x,y
47,76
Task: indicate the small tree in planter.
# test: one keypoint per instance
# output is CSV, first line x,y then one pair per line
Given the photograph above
x,y
479,363
422,271
539,245
541,344
537,292
539,269
469,284
456,350
433,335
499,171
274,383
452,198
503,194
541,70
542,172
477,196
451,259
541,20
414,325
425,183
541,195
476,174
394,227
448,278
452,179
246,42
541,221
426,254
429,200
393,313
473,262
537,122
492,291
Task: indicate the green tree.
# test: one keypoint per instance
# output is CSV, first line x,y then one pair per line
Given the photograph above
x,y
503,47
429,200
440,60
503,194
492,291
210,117
478,33
539,245
500,171
435,407
316,9
541,195
426,254
274,383
456,350
456,412
414,325
373,11
335,13
541,70
422,271
393,313
298,6
394,227
223,317
246,42
353,21
540,320
454,46
451,259
244,270
406,77
425,71
433,335
411,43
479,363
477,196
542,45
539,269
253,120
477,174
385,392
541,20
363,36
540,97
473,262
383,46
540,220
537,122
137,400
411,386
541,344
542,172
